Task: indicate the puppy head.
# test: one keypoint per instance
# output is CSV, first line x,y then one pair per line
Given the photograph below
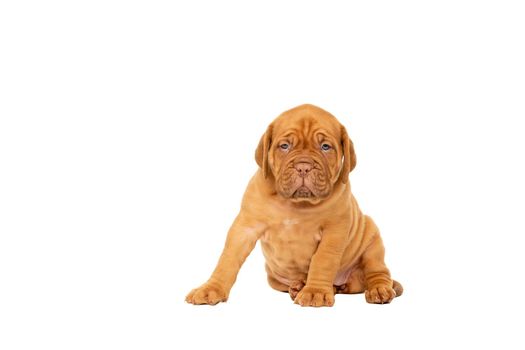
x,y
306,151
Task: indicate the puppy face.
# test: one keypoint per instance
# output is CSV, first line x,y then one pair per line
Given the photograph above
x,y
305,151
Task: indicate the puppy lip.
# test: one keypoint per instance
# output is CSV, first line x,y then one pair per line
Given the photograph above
x,y
303,192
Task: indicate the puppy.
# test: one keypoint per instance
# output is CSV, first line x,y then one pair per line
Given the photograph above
x,y
314,238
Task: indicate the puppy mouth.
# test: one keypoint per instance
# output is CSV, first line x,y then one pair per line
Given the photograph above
x,y
303,192
299,185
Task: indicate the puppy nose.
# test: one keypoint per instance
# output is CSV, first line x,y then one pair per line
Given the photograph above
x,y
303,168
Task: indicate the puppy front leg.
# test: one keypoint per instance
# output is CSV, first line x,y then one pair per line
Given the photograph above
x,y
319,290
240,241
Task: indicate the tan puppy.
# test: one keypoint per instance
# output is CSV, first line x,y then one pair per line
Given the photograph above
x,y
315,239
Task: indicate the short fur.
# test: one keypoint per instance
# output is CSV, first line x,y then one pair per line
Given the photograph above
x,y
299,205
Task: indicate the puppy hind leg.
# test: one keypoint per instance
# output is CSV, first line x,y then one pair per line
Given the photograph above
x,y
293,289
276,284
354,285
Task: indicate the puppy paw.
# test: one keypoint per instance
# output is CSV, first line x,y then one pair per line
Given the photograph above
x,y
208,293
310,296
380,294
295,288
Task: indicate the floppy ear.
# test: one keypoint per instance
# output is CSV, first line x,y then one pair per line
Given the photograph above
x,y
349,159
261,153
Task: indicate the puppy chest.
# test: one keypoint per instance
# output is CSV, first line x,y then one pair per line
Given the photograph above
x,y
290,244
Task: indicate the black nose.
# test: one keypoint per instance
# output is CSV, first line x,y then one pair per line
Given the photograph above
x,y
303,168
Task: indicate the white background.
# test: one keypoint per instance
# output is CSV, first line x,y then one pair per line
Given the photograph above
x,y
127,134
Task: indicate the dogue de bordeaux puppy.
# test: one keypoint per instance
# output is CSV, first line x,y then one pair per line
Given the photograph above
x,y
315,239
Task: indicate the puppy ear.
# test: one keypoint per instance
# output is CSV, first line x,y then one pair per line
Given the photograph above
x,y
261,153
349,159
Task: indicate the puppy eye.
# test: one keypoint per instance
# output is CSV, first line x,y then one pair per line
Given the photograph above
x,y
284,146
326,147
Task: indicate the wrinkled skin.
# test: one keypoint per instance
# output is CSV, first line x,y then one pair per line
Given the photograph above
x,y
315,239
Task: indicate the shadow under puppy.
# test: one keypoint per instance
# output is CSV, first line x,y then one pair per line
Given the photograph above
x,y
315,239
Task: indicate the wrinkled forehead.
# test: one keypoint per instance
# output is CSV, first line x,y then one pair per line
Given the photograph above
x,y
306,124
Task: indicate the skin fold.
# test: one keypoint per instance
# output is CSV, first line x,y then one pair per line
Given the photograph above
x,y
299,204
